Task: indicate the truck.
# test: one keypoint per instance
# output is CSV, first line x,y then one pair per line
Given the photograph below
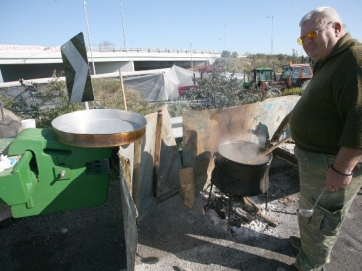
x,y
293,75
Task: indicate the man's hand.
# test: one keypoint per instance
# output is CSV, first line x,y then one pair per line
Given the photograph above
x,y
335,181
340,173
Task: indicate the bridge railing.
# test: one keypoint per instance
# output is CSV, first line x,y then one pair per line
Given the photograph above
x,y
149,50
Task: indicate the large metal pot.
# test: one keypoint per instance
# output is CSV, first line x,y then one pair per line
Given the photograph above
x,y
234,177
99,128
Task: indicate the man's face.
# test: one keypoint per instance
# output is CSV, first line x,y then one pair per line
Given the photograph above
x,y
323,44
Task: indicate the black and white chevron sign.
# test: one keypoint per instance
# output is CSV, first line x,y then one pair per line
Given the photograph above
x,y
76,69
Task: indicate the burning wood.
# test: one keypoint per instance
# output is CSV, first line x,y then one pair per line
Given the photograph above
x,y
244,216
245,213
257,211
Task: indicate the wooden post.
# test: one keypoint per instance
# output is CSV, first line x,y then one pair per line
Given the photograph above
x,y
136,172
123,92
157,154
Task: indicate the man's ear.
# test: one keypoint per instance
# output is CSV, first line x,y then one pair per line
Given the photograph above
x,y
337,28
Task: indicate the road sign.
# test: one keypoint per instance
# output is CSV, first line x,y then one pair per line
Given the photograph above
x,y
76,69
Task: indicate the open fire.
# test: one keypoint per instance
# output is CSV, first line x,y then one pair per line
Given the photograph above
x,y
239,211
238,180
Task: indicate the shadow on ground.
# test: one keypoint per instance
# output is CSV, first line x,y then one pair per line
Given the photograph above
x,y
85,239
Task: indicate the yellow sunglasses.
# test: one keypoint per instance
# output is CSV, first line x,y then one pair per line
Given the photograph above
x,y
310,35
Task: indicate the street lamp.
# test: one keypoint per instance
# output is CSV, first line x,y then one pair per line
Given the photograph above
x,y
271,35
124,32
89,39
225,34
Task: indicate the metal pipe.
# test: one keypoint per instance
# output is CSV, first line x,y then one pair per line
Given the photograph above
x,y
89,38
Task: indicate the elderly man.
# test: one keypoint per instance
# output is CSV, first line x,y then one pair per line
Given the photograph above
x,y
326,125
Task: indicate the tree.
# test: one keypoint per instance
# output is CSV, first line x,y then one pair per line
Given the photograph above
x,y
295,56
225,53
220,90
234,55
106,46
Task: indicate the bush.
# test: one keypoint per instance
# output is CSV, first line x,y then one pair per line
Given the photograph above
x,y
41,102
108,94
220,90
46,102
176,109
292,91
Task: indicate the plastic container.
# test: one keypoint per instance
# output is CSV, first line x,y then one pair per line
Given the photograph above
x,y
28,123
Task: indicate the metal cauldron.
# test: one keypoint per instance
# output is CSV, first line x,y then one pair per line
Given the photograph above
x,y
234,177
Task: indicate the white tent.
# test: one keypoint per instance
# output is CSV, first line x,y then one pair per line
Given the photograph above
x,y
162,86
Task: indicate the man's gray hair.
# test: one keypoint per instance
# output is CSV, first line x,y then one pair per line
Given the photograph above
x,y
322,13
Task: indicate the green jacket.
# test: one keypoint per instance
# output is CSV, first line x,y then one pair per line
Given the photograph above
x,y
329,113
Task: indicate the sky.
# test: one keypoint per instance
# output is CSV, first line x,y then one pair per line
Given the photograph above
x,y
240,26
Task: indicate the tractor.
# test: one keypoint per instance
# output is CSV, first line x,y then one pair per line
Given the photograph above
x,y
293,76
260,77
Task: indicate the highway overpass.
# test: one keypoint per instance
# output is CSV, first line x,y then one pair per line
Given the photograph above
x,y
32,62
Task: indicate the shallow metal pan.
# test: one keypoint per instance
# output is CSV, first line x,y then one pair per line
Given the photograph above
x,y
98,128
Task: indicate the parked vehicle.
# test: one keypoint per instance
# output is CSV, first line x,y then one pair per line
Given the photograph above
x,y
293,75
259,77
183,89
205,70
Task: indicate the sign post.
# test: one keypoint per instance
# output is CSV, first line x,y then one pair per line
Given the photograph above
x,y
76,69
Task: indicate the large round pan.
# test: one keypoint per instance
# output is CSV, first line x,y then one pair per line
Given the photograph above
x,y
98,128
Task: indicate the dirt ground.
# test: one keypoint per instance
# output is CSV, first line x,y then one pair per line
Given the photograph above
x,y
182,238
172,236
93,238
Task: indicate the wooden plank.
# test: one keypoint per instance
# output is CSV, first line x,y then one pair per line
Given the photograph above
x,y
187,186
129,223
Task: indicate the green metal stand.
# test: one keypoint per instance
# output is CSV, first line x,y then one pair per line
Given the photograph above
x,y
51,176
